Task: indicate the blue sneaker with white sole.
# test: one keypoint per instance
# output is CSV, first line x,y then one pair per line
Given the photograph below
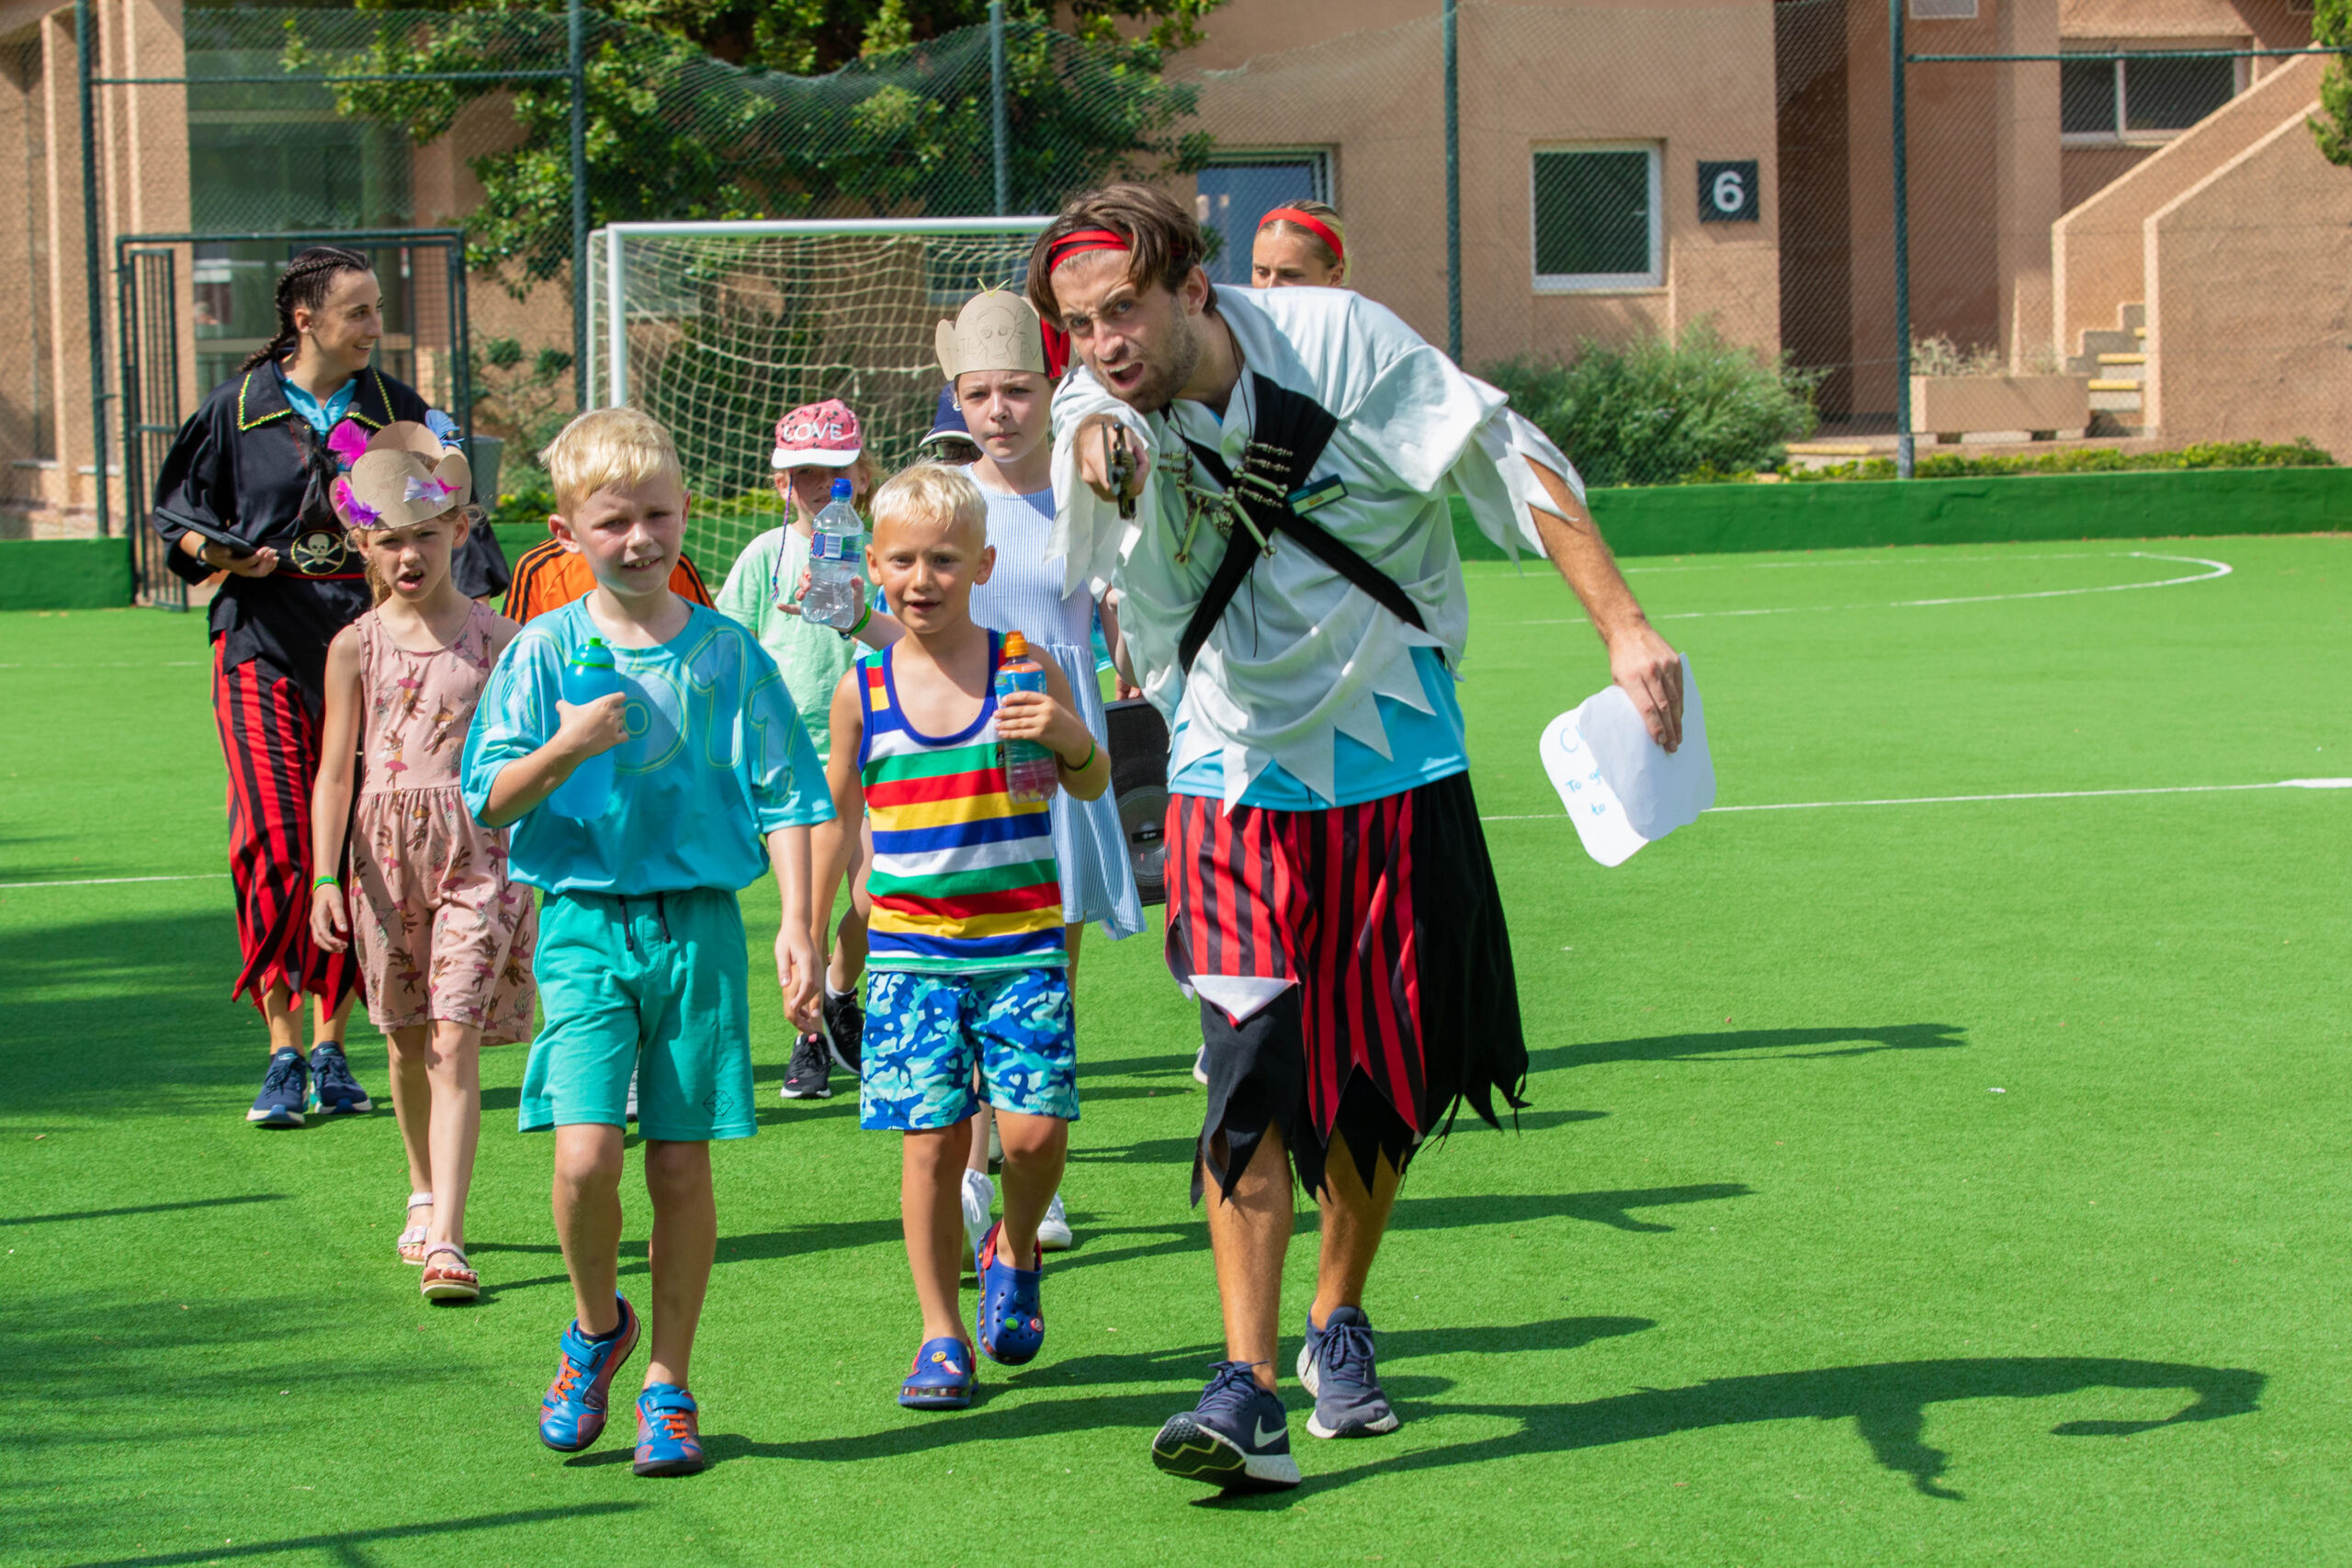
x,y
943,1377
1238,1437
572,1415
669,1442
1336,1365
1009,1319
284,1091
333,1091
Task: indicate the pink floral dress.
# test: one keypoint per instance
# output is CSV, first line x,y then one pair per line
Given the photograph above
x,y
443,932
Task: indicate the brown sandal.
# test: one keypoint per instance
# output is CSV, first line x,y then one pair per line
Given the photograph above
x,y
440,1284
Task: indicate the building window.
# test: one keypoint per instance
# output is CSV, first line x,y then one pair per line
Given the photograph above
x,y
1239,190
1597,219
1943,10
2117,100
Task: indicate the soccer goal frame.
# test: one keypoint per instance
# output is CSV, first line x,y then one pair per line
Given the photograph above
x,y
717,329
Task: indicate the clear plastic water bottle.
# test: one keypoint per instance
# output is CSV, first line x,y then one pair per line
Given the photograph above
x,y
836,560
589,790
1030,770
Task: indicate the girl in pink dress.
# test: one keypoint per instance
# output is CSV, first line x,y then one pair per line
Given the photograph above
x,y
444,937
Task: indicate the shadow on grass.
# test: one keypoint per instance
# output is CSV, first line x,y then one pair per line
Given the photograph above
x,y
1062,1396
143,1209
1887,1402
343,1545
1718,1045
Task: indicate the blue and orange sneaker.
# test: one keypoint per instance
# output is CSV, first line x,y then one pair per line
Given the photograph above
x,y
943,1377
668,1442
571,1416
1008,1320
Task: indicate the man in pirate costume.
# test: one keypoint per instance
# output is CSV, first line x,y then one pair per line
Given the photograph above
x,y
245,491
1265,477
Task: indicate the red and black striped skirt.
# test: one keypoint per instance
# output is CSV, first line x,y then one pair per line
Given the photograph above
x,y
1383,925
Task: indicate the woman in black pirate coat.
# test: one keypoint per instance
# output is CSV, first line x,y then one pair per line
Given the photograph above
x,y
244,490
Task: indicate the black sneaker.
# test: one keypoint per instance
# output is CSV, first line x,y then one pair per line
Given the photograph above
x,y
845,1030
1237,1437
1336,1364
333,1088
284,1091
809,1076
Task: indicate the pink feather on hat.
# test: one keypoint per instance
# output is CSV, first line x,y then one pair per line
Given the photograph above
x,y
346,441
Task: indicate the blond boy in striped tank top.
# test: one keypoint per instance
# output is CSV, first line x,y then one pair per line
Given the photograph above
x,y
967,965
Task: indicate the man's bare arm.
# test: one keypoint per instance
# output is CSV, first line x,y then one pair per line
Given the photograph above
x,y
1640,660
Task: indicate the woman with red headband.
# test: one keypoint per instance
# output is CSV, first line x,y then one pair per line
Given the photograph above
x,y
1300,245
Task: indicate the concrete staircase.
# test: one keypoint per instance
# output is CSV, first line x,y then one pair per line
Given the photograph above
x,y
2117,363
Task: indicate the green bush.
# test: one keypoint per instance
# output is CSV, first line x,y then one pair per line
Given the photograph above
x,y
2300,454
1662,410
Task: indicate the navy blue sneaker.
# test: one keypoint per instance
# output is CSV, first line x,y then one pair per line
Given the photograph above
x,y
1237,1437
943,1377
571,1416
284,1091
667,1441
846,1030
334,1092
1336,1365
1008,1320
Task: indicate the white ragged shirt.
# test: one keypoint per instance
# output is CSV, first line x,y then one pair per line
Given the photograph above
x,y
1302,655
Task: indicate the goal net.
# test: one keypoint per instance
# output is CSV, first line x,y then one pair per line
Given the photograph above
x,y
717,329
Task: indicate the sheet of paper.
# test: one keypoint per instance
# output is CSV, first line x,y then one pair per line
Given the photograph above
x,y
1621,788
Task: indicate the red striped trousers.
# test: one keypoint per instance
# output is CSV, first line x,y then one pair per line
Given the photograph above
x,y
270,738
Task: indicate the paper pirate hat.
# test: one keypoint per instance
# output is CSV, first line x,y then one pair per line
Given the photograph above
x,y
997,329
405,476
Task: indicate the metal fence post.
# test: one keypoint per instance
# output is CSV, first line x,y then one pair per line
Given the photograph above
x,y
575,23
1905,447
85,38
1454,187
997,117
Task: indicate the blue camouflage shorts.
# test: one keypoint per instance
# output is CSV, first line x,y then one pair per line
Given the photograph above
x,y
924,1033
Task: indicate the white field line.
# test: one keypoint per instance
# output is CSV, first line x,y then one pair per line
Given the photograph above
x,y
1948,799
117,881
120,664
2219,568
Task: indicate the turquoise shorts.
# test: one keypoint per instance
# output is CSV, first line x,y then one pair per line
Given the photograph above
x,y
656,984
925,1032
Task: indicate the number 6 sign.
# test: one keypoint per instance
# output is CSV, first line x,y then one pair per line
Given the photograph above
x,y
1729,193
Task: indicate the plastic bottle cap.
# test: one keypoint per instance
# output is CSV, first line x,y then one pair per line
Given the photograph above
x,y
595,654
1015,645
841,487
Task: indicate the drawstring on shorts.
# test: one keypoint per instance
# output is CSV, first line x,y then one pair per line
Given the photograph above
x,y
660,916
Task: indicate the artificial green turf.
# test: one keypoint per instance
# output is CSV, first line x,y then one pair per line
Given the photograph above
x,y
1770,1275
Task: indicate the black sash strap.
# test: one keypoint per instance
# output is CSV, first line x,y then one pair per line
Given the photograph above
x,y
1298,422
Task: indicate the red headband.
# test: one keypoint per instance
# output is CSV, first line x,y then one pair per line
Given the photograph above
x,y
1078,241
1313,225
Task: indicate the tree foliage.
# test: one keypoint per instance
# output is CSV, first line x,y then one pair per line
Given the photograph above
x,y
2332,25
724,108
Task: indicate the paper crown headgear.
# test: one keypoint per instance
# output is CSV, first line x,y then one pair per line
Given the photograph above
x,y
405,476
996,330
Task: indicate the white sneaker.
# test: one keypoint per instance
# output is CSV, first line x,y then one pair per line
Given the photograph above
x,y
632,1096
979,1197
1201,1066
1053,1231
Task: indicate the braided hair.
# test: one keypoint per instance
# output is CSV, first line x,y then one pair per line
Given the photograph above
x,y
304,285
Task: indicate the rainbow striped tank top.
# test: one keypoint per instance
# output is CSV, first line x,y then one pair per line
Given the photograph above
x,y
964,878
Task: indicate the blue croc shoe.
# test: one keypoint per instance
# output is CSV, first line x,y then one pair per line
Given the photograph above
x,y
1008,1320
571,1416
284,1090
1336,1365
943,1377
333,1091
1238,1437
668,1442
